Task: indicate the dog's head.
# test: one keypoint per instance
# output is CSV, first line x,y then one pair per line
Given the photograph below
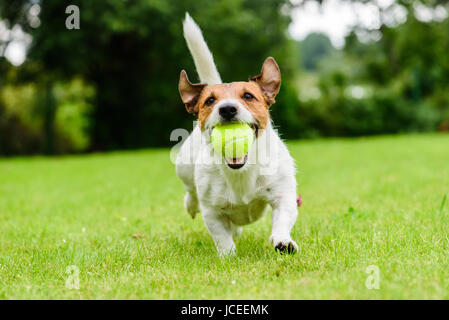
x,y
233,102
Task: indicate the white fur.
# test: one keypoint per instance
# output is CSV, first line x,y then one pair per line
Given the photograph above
x,y
204,61
231,198
228,198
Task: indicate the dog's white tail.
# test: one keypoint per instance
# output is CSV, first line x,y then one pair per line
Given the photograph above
x,y
204,62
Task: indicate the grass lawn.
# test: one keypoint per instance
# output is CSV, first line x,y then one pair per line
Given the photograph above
x,y
119,218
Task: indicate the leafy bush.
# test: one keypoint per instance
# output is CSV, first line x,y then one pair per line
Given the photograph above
x,y
22,121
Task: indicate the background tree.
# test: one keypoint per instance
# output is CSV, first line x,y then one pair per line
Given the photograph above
x,y
113,83
131,52
314,48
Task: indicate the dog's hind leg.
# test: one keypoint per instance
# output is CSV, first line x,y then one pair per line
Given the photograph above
x,y
236,232
191,203
185,169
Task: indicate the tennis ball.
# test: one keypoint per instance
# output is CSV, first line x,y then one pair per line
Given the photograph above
x,y
232,140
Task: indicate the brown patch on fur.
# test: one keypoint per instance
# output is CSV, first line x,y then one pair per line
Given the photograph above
x,y
269,80
219,92
263,88
234,90
189,92
258,106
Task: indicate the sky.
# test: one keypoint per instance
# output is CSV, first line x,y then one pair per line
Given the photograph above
x,y
336,18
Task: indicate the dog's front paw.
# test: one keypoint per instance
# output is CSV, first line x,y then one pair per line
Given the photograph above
x,y
284,244
226,252
191,204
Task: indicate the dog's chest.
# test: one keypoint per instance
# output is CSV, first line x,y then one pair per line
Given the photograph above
x,y
240,197
245,214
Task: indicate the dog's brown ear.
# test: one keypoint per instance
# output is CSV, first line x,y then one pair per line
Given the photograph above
x,y
189,92
269,80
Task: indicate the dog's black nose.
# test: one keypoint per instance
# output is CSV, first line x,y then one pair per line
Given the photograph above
x,y
228,111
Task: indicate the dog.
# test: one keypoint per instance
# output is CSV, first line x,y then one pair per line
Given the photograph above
x,y
233,192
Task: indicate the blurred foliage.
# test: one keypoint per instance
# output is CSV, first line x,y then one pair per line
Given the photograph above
x,y
399,83
72,119
131,54
113,83
314,48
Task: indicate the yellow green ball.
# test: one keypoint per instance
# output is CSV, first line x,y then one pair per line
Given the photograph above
x,y
232,140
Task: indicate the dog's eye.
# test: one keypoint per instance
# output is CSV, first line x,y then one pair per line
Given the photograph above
x,y
248,96
210,100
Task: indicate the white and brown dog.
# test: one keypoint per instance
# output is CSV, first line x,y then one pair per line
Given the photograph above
x,y
234,192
